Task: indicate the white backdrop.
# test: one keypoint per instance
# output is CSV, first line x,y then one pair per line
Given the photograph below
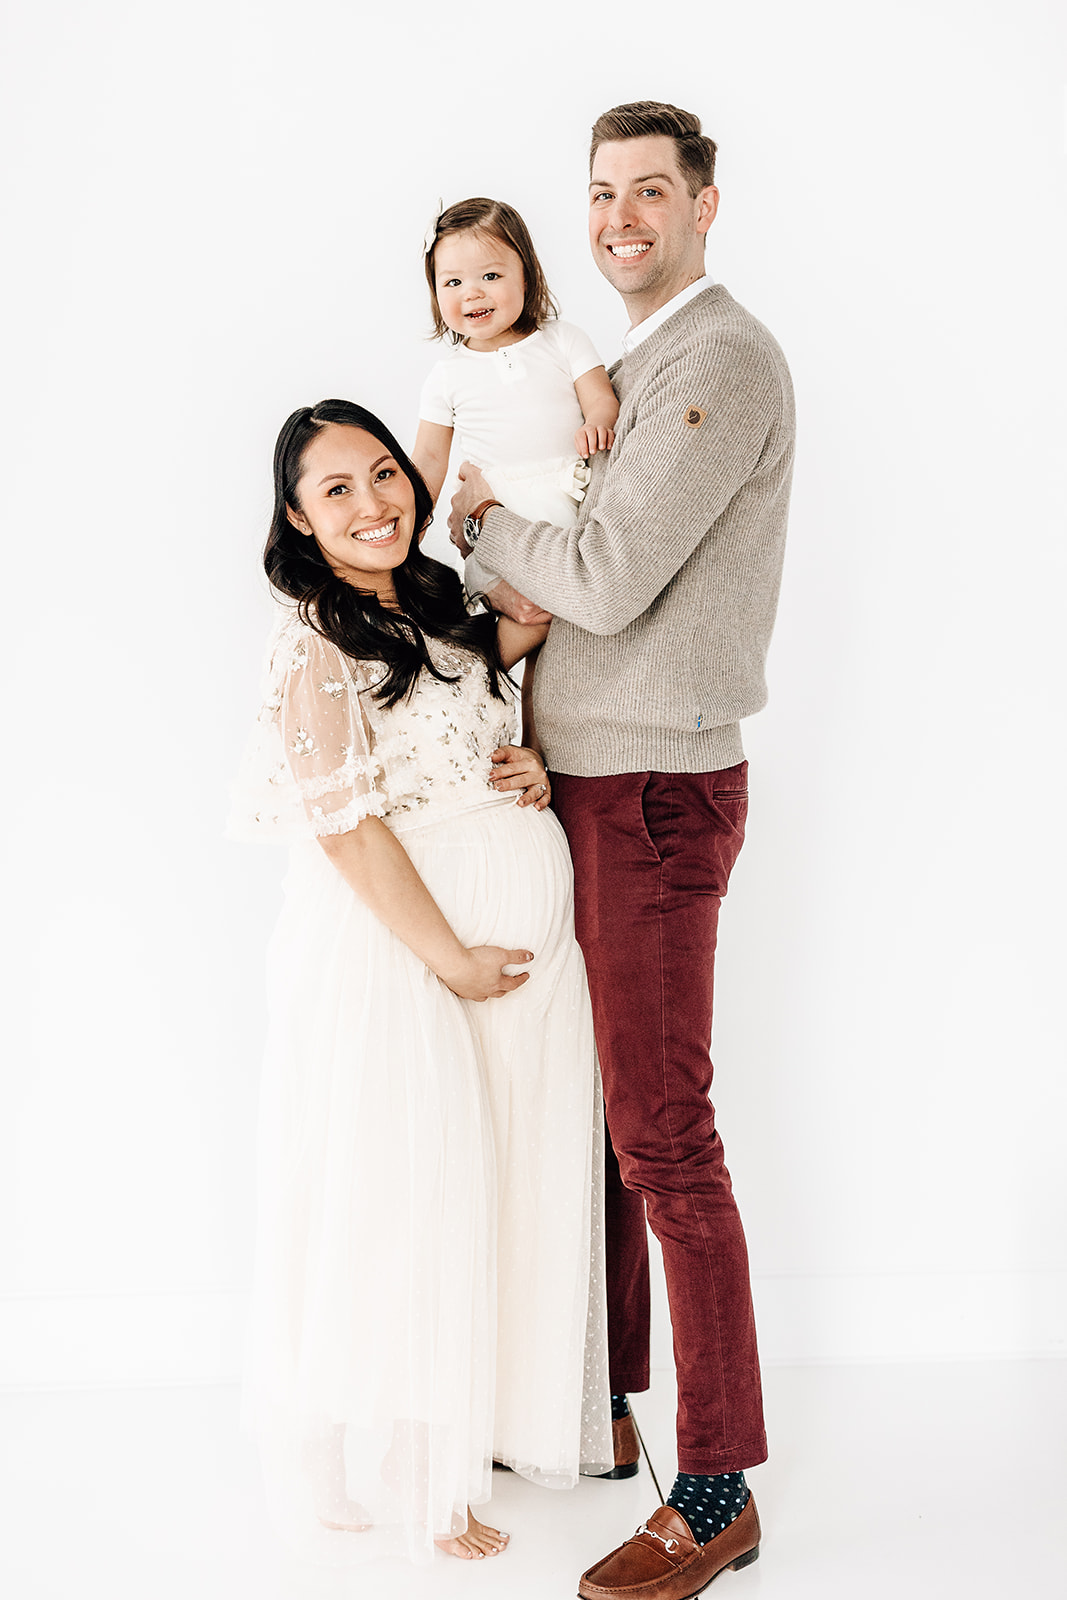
x,y
218,211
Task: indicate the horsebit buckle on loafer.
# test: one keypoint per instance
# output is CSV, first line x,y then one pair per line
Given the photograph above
x,y
668,1544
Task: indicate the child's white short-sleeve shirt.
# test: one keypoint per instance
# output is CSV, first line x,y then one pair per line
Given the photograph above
x,y
512,406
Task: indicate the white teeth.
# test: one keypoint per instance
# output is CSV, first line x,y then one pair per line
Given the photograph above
x,y
628,250
377,535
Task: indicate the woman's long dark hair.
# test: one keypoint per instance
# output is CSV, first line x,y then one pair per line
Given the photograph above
x,y
429,593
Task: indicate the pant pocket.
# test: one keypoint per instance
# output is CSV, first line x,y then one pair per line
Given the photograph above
x,y
646,819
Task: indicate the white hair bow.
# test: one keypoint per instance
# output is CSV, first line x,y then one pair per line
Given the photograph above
x,y
429,238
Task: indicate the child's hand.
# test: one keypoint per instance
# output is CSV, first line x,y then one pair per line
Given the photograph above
x,y
592,437
600,408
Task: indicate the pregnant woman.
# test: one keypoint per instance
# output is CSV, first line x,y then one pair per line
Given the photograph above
x,y
429,1281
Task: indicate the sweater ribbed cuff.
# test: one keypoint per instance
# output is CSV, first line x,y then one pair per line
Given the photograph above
x,y
601,752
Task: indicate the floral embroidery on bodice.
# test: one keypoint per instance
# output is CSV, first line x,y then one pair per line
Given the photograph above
x,y
434,746
326,753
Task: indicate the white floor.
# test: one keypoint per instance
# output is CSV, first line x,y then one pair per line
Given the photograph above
x,y
943,1481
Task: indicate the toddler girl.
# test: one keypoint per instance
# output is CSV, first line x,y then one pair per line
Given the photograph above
x,y
527,393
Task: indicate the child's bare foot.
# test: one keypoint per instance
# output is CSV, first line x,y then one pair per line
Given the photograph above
x,y
478,1541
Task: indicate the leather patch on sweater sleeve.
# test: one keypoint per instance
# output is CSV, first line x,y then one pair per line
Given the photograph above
x,y
694,416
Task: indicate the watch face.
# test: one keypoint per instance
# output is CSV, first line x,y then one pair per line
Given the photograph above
x,y
471,530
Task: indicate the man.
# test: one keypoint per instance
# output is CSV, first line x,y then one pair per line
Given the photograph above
x,y
663,597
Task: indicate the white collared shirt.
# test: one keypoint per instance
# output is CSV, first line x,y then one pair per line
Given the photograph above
x,y
634,336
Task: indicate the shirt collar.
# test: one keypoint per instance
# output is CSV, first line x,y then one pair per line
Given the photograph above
x,y
634,336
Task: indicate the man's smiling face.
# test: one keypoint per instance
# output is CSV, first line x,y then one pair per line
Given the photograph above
x,y
645,228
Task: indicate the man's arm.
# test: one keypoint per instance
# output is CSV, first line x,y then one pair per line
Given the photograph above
x,y
702,425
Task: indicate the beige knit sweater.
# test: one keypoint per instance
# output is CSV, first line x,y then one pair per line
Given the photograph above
x,y
664,593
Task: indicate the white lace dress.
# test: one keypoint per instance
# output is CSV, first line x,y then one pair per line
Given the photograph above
x,y
429,1277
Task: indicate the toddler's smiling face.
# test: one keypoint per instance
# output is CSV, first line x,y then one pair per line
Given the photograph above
x,y
480,289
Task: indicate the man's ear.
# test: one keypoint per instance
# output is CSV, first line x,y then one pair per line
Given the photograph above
x,y
707,206
297,521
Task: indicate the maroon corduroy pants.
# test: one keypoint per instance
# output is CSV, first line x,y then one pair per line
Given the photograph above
x,y
652,856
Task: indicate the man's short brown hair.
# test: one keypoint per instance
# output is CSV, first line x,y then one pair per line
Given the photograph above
x,y
696,152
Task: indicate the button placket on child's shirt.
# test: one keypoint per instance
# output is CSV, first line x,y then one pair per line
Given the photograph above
x,y
510,366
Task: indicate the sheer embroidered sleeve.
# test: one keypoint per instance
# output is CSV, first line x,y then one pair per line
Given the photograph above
x,y
326,741
310,769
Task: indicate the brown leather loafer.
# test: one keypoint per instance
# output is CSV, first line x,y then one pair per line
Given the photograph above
x,y
663,1561
627,1449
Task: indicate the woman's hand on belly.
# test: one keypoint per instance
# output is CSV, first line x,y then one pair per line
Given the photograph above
x,y
481,975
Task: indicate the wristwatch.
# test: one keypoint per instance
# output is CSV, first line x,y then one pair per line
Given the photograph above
x,y
472,524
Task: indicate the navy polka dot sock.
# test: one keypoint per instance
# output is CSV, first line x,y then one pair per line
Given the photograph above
x,y
620,1407
709,1504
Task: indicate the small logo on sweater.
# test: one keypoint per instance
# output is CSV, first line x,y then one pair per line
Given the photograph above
x,y
694,416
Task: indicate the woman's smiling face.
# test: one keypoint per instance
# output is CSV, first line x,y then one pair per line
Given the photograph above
x,y
358,506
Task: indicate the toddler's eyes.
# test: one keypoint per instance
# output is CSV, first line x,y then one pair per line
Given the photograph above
x,y
490,277
450,283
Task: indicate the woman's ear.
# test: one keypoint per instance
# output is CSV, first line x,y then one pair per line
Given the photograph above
x,y
297,521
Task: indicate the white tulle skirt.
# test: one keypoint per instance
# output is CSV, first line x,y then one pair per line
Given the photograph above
x,y
429,1287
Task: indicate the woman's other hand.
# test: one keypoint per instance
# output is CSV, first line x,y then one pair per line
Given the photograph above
x,y
517,767
481,976
507,600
